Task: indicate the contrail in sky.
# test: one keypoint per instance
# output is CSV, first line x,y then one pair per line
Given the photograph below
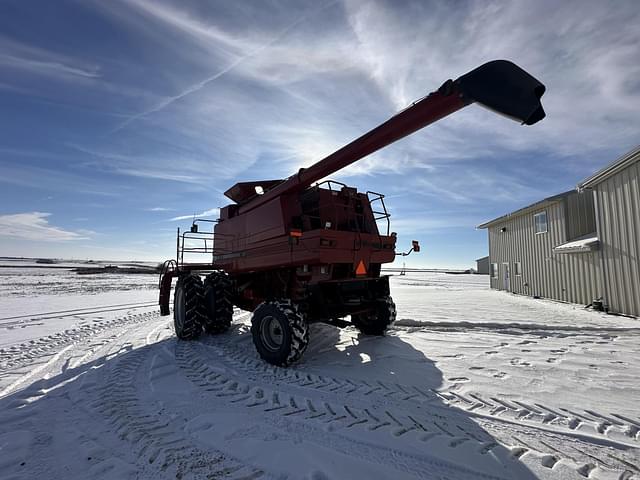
x,y
200,85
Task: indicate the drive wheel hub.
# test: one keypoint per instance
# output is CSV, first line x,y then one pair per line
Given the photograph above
x,y
271,333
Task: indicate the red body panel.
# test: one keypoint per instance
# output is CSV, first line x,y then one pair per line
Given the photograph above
x,y
261,239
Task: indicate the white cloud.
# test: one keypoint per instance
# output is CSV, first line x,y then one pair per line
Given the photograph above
x,y
182,20
43,62
587,62
23,174
45,67
189,90
181,169
35,226
159,209
322,83
207,213
188,23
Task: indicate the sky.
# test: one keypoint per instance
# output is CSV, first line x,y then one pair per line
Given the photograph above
x,y
121,119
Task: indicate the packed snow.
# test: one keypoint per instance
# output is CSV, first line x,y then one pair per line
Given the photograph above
x,y
469,383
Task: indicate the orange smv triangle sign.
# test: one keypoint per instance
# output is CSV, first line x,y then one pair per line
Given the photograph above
x,y
361,270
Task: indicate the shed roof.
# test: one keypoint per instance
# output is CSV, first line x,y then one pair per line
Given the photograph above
x,y
527,209
619,164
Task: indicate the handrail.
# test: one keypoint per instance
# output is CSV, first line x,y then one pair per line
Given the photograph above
x,y
384,214
167,266
206,245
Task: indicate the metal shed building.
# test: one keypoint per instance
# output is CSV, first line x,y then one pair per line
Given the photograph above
x,y
577,246
482,265
522,255
616,193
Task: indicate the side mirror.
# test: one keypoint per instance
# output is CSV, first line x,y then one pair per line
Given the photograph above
x,y
415,247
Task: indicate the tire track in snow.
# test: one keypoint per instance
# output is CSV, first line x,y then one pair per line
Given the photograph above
x,y
33,373
611,427
65,383
250,364
538,416
344,417
318,417
158,441
515,328
78,311
26,353
538,421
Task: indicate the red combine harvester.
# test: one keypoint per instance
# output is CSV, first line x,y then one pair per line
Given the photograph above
x,y
295,252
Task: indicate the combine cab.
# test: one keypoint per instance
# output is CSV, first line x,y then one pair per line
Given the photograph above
x,y
294,251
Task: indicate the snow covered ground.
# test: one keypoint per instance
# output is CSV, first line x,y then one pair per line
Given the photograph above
x,y
470,383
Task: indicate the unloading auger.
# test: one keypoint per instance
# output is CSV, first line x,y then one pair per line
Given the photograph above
x,y
294,251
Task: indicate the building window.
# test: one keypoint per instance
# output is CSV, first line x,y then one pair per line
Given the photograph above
x,y
540,221
517,269
494,270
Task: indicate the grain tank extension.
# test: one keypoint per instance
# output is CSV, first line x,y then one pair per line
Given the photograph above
x,y
295,251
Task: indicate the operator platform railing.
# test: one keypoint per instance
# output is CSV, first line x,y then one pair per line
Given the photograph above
x,y
377,215
195,242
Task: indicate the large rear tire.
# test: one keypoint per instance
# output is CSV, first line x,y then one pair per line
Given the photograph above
x,y
217,302
376,321
188,311
280,333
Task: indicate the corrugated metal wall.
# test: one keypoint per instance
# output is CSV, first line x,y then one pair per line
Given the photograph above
x,y
580,215
618,210
482,265
567,277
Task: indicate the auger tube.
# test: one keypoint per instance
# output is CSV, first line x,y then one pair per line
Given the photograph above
x,y
499,85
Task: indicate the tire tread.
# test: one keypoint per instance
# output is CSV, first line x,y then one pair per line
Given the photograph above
x,y
218,316
379,320
298,329
193,290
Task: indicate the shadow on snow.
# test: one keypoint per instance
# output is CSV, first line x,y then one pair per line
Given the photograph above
x,y
66,425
